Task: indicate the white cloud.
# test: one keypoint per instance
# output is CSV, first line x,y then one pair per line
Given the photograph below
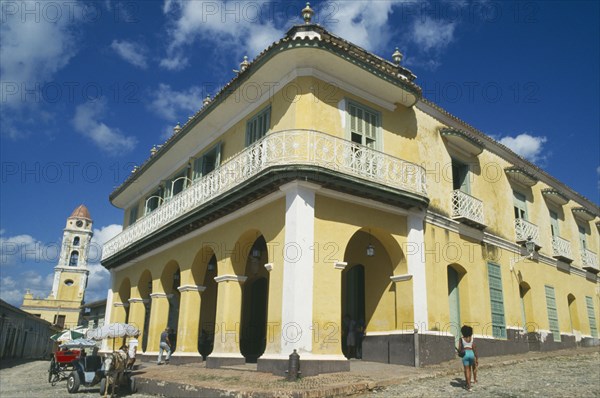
x,y
13,288
101,236
22,249
131,52
86,121
432,35
528,146
365,23
99,278
171,104
234,25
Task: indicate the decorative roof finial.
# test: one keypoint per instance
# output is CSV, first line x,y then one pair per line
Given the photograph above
x,y
153,150
206,100
135,168
307,13
177,128
397,56
244,64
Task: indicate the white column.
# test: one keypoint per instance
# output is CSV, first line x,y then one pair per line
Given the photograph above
x,y
298,267
108,311
415,254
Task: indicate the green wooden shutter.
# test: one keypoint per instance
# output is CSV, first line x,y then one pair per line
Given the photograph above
x,y
257,127
520,203
554,223
552,312
497,301
133,214
591,316
197,168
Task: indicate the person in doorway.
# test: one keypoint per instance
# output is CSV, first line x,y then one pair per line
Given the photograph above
x,y
470,360
165,345
133,345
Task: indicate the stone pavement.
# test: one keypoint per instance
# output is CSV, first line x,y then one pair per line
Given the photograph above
x,y
364,378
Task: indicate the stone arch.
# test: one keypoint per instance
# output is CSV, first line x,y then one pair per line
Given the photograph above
x,y
145,289
255,293
458,298
380,305
204,271
574,316
527,310
170,281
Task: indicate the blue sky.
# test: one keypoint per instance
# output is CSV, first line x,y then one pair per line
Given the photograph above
x,y
87,88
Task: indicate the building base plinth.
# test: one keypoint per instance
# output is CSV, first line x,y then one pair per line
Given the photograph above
x,y
216,362
308,367
174,360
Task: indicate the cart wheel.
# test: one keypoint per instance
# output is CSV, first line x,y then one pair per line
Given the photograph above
x,y
53,375
102,385
73,382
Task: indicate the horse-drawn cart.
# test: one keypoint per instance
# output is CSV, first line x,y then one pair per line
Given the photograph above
x,y
61,364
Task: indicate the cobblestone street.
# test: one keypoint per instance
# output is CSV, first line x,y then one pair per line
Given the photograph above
x,y
577,376
30,380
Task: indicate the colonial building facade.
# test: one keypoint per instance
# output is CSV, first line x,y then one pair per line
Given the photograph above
x,y
63,306
318,189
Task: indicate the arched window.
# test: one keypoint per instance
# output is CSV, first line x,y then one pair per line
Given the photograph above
x,y
74,258
76,241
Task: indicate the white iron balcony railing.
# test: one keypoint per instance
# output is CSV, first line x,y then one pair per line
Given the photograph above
x,y
467,208
525,229
561,248
589,260
290,147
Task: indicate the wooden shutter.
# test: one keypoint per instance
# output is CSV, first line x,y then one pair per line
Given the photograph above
x,y
520,204
552,312
589,303
497,301
554,223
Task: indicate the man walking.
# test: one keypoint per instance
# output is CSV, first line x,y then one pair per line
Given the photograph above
x,y
165,344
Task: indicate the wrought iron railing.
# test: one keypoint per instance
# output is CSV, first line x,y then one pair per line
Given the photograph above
x,y
466,206
290,147
561,248
525,229
589,259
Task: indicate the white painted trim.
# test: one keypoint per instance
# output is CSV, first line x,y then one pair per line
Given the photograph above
x,y
401,278
225,355
186,354
230,278
415,255
108,310
298,266
309,34
191,288
138,300
341,265
269,267
158,295
306,356
389,332
119,304
209,227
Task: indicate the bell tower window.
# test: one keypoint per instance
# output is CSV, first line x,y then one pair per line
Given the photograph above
x,y
74,258
76,241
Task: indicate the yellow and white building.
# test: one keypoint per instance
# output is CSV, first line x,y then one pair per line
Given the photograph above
x,y
320,183
62,306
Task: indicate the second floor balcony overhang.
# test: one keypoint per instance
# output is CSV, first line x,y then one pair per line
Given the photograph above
x,y
261,168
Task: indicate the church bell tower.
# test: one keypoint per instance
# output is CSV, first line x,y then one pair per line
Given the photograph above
x,y
62,306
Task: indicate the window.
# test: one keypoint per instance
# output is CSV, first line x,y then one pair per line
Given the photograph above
x,y
364,125
153,201
460,176
74,259
207,162
582,237
59,320
591,316
257,127
178,183
497,301
133,214
69,282
552,312
554,223
76,241
520,205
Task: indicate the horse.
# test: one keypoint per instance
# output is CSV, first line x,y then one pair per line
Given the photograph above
x,y
114,366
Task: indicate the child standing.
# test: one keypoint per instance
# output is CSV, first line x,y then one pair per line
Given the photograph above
x,y
470,360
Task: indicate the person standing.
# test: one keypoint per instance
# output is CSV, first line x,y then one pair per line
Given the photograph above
x,y
470,360
133,345
165,345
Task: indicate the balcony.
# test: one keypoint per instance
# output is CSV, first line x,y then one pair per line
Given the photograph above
x,y
561,249
525,229
309,149
589,261
467,209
